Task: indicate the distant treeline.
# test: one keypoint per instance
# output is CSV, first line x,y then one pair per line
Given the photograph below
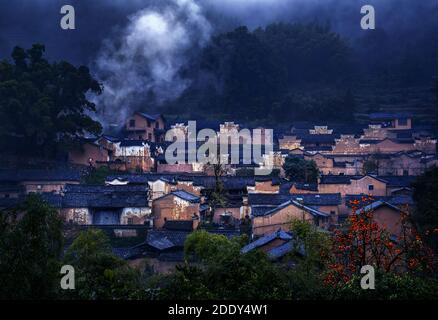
x,y
290,72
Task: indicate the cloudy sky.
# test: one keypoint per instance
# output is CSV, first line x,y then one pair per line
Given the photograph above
x,y
23,22
139,46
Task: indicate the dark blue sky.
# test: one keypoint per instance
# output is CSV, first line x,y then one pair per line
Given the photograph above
x,y
23,22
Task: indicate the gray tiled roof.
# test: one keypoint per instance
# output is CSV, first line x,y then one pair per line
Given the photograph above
x,y
319,199
40,175
153,117
84,188
163,239
186,196
311,199
375,205
279,234
178,225
399,181
102,200
284,249
310,210
335,179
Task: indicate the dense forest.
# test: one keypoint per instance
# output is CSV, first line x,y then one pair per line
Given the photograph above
x,y
286,72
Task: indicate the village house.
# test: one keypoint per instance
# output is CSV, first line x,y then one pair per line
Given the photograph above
x,y
106,205
187,183
163,167
394,121
265,184
280,217
164,249
326,203
274,160
386,215
268,242
290,142
177,205
321,130
11,190
425,143
375,132
37,180
136,154
233,211
89,154
162,185
322,143
276,245
402,200
329,164
398,184
159,186
229,132
386,145
143,126
348,144
302,188
401,164
108,143
235,191
370,185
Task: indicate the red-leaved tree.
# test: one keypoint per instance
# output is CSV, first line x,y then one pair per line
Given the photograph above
x,y
363,242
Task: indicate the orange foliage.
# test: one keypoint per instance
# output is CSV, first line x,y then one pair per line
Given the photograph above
x,y
364,242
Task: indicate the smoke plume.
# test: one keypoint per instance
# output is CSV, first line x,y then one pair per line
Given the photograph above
x,y
142,64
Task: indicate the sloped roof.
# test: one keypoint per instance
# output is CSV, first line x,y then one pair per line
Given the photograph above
x,y
344,179
310,210
279,234
104,200
109,138
53,199
274,199
178,225
105,196
40,175
335,179
186,196
260,210
399,181
152,117
364,200
319,199
377,204
207,182
306,186
318,148
284,249
86,188
166,239
133,143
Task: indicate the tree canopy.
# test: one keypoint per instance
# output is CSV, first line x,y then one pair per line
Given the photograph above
x,y
99,273
273,73
44,107
31,243
301,170
426,206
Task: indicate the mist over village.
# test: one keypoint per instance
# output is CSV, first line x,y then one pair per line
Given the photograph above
x,y
187,150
